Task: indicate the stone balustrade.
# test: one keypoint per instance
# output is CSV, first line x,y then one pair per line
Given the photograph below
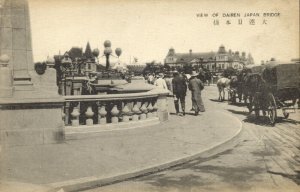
x,y
91,110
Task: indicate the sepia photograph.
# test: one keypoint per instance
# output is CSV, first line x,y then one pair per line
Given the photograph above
x,y
149,96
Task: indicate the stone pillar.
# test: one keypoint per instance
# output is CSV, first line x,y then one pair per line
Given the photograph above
x,y
15,41
162,105
6,89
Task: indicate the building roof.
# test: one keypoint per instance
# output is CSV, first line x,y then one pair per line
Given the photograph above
x,y
88,52
188,57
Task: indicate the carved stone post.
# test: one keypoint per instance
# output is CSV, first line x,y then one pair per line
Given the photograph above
x,y
150,109
89,115
75,116
115,113
144,111
101,114
136,112
125,112
67,113
155,108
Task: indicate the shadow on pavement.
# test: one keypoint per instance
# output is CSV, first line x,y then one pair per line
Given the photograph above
x,y
238,104
283,120
175,178
261,120
216,100
295,178
187,113
238,112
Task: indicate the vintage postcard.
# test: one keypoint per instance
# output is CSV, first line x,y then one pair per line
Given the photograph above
x,y
149,95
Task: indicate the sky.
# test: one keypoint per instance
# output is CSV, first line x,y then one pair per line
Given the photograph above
x,y
147,29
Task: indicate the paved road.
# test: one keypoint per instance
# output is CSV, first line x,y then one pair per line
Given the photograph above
x,y
266,159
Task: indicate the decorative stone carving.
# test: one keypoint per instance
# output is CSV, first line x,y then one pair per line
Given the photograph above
x,y
89,115
144,112
115,113
136,112
150,108
155,108
75,116
102,114
126,113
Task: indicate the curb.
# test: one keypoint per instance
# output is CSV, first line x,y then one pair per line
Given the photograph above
x,y
93,182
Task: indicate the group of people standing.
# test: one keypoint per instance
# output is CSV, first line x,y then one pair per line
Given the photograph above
x,y
178,85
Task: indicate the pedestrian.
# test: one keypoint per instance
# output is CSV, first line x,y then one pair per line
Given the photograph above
x,y
160,82
196,86
150,78
168,78
179,92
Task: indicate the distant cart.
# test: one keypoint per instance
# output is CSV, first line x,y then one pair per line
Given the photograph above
x,y
277,86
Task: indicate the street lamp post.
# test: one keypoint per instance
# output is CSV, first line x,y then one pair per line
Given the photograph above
x,y
108,52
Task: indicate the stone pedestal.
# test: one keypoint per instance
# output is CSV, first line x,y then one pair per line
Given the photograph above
x,y
162,105
31,122
30,107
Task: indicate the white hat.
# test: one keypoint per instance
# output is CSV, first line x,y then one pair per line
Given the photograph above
x,y
194,73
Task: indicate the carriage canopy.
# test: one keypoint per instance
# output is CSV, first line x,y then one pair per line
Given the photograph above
x,y
282,75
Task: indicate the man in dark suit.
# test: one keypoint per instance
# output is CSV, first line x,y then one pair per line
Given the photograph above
x,y
179,91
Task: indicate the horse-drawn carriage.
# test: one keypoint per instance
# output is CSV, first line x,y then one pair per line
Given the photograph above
x,y
274,86
240,85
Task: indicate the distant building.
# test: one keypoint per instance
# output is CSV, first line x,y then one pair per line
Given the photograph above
x,y
214,61
84,61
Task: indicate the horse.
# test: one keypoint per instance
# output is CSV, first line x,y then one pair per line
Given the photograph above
x,y
222,83
233,89
256,87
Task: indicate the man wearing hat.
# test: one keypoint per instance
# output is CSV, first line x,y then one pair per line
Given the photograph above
x,y
196,86
160,82
179,91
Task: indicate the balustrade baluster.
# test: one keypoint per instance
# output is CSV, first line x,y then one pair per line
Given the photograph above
x,y
101,114
67,113
136,112
115,113
125,112
144,111
89,116
150,109
63,115
75,116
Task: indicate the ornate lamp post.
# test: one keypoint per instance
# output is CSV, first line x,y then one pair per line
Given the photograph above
x,y
108,52
201,62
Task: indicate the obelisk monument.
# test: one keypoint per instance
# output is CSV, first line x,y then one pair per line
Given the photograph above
x,y
15,42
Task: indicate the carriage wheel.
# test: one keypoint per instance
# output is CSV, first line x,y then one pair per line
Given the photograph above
x,y
272,109
285,114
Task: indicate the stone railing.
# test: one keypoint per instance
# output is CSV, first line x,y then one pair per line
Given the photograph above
x,y
91,110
